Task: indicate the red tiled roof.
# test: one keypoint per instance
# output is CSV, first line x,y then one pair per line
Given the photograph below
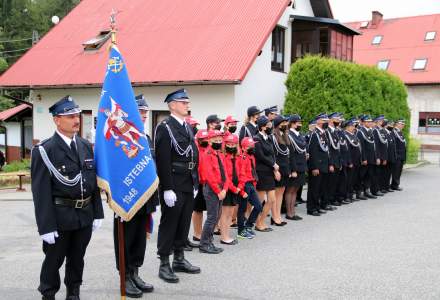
x,y
6,114
161,40
403,42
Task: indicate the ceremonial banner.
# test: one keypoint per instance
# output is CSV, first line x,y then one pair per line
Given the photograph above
x,y
125,167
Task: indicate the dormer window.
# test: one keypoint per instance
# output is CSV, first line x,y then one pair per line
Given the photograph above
x,y
383,64
430,35
377,40
364,24
420,64
98,41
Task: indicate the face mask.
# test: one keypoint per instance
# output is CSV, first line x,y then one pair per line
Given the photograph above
x,y
232,129
283,128
251,151
268,130
298,128
216,146
203,144
231,150
195,130
336,124
218,127
325,125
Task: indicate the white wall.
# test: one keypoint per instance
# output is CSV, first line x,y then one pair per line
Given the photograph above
x,y
423,99
262,86
13,133
205,100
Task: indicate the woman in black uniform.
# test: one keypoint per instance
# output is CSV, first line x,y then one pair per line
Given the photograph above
x,y
267,170
298,165
281,143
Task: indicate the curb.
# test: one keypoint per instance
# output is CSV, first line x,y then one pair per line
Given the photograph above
x,y
416,165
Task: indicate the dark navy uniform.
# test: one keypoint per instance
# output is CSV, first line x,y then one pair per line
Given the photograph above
x,y
176,159
67,200
318,160
391,159
249,129
354,150
343,187
135,234
381,147
335,160
400,158
366,139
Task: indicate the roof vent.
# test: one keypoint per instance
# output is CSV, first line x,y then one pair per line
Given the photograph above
x,y
98,41
376,18
364,24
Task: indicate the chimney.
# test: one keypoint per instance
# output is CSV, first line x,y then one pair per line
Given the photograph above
x,y
376,18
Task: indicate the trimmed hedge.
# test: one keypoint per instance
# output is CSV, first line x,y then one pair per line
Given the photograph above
x,y
316,84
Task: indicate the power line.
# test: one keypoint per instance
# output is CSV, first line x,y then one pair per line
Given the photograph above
x,y
12,41
15,50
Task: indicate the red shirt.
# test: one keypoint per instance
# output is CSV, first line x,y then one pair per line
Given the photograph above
x,y
245,162
202,152
211,173
229,171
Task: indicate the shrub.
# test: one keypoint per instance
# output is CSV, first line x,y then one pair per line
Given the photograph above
x,y
18,165
412,154
316,84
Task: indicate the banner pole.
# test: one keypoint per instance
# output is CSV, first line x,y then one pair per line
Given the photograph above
x,y
121,243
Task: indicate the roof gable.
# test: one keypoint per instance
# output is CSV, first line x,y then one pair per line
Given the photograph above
x,y
162,41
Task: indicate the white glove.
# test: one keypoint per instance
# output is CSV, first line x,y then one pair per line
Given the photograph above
x,y
49,237
96,224
170,198
195,193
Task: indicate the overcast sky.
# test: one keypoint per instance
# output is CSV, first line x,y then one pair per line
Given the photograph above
x,y
360,10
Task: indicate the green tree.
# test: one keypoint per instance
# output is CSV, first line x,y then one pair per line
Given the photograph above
x,y
316,84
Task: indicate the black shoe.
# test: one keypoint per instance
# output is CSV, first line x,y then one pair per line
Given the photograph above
x,y
191,244
389,190
210,249
322,211
370,196
231,243
272,222
165,271
217,232
187,248
336,203
384,191
48,298
131,290
294,218
345,202
397,189
196,239
359,196
313,213
72,293
330,208
378,194
180,264
234,225
267,229
140,284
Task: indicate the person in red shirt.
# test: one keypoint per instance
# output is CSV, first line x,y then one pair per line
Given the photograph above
x,y
230,125
234,193
216,183
199,204
247,182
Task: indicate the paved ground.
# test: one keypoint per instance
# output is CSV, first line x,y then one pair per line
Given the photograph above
x,y
377,249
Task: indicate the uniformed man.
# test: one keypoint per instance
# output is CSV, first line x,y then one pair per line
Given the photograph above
x,y
176,159
135,231
381,147
389,127
400,154
318,166
249,128
369,159
67,200
354,159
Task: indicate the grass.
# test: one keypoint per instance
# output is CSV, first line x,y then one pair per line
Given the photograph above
x,y
16,166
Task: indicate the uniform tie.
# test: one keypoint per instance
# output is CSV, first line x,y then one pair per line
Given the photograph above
x,y
73,148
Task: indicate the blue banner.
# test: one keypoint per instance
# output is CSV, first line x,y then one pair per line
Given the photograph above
x,y
125,167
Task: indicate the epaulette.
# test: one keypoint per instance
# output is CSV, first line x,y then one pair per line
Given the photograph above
x,y
42,142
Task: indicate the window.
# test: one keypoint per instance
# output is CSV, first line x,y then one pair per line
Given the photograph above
x,y
364,24
430,36
429,122
98,41
377,40
383,64
278,42
420,64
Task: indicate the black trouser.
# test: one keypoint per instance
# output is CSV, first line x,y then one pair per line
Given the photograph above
x,y
366,174
316,191
174,223
387,175
352,179
332,186
375,178
383,185
342,190
396,171
70,245
135,238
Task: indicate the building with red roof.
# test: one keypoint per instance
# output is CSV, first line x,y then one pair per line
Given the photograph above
x,y
409,48
228,54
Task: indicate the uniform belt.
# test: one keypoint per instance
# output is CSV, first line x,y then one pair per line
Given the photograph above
x,y
186,165
79,203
